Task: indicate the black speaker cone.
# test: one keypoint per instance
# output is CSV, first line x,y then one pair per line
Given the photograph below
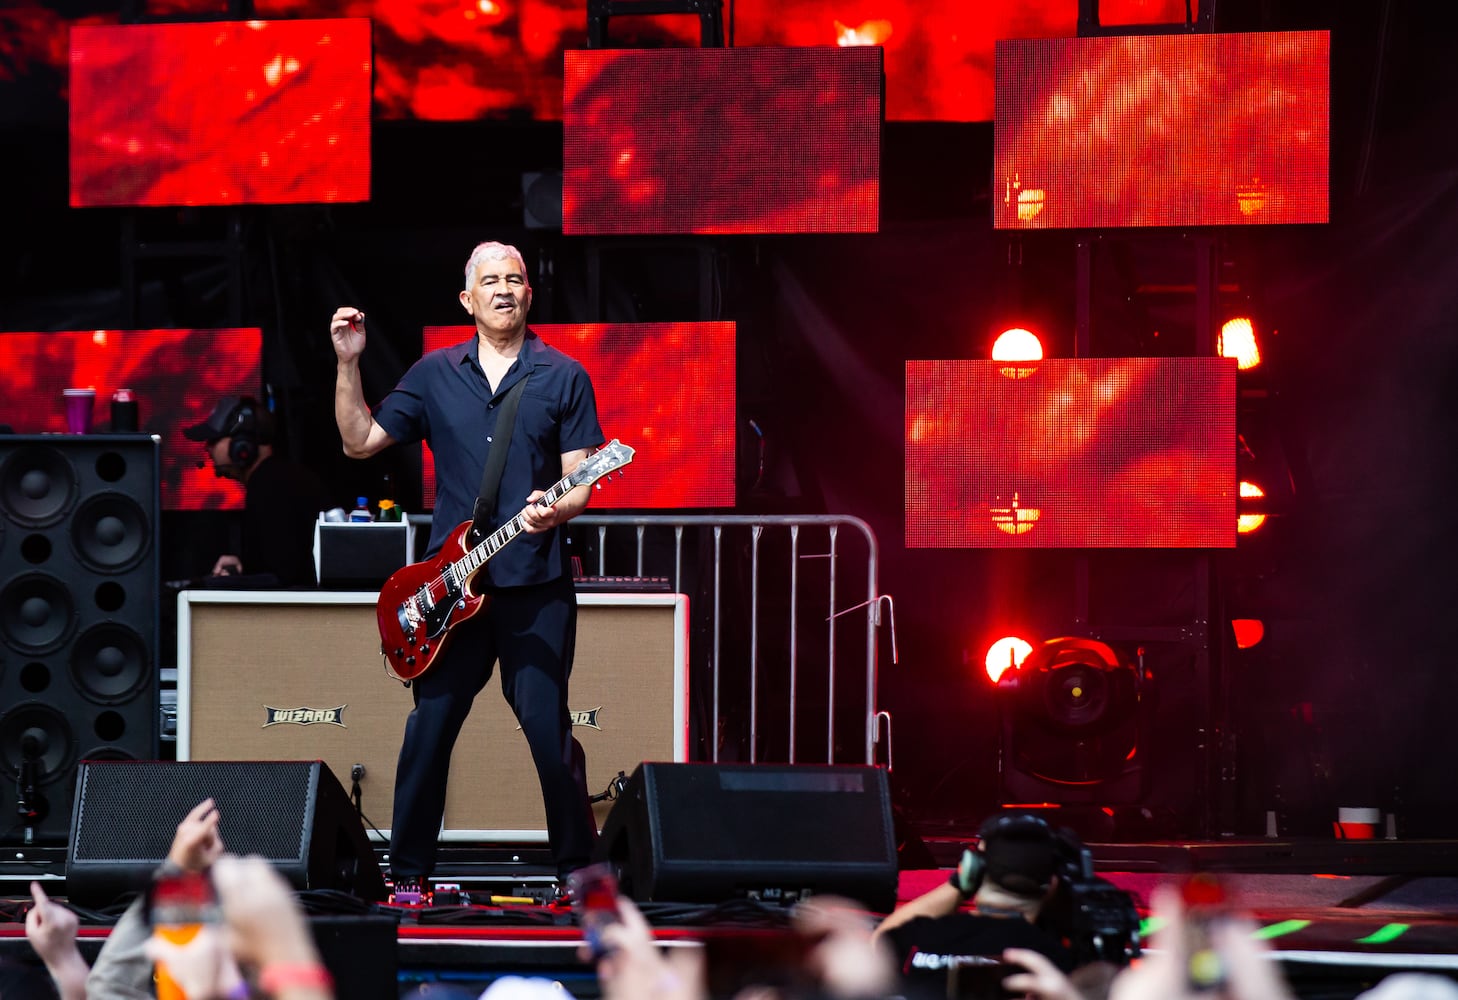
x,y
110,532
109,664
37,613
38,486
40,733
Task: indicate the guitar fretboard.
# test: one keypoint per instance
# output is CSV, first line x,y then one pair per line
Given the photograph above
x,y
473,560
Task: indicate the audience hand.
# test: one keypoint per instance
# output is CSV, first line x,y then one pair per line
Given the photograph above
x,y
1042,981
227,566
197,844
848,961
51,930
265,924
635,969
1250,972
202,968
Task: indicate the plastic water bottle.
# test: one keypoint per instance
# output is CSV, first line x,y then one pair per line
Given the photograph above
x,y
361,512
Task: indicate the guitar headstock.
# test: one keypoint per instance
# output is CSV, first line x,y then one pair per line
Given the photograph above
x,y
609,458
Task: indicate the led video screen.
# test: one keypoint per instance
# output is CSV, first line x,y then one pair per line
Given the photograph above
x,y
444,60
1071,453
220,113
177,376
768,140
665,389
1162,130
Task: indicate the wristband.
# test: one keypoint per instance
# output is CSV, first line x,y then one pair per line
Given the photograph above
x,y
281,976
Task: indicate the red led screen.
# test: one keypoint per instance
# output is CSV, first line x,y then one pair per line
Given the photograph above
x,y
767,140
1088,453
176,375
665,389
220,113
455,60
1162,130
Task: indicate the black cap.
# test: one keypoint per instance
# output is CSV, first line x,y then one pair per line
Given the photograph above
x,y
1020,851
219,425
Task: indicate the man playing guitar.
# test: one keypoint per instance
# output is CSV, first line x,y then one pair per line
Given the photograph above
x,y
451,399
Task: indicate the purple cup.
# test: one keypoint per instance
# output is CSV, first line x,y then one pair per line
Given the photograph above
x,y
79,406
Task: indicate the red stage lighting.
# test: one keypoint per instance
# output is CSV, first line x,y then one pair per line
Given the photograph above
x,y
1020,349
1005,654
1246,523
1248,632
1238,341
1071,722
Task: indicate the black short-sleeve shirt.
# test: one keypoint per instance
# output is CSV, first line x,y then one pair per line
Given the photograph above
x,y
446,401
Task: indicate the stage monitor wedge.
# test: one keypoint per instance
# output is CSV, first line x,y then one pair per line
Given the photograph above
x,y
776,832
293,814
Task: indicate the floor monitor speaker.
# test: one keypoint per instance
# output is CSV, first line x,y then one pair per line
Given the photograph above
x,y
780,832
292,813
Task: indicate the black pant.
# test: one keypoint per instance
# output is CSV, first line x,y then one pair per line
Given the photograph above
x,y
532,632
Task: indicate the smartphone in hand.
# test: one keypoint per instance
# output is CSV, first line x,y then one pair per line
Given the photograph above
x,y
594,893
178,906
1205,909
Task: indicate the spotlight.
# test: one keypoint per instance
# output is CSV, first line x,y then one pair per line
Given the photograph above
x,y
1238,341
1246,523
1006,654
1248,632
1019,350
1071,725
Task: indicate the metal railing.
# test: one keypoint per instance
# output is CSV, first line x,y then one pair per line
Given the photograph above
x,y
792,567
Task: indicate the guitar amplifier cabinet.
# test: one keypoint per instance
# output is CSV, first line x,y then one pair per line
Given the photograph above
x,y
298,676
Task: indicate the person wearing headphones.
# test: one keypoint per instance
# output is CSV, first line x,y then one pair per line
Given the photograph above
x,y
282,499
1007,878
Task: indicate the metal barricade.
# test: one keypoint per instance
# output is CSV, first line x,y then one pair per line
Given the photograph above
x,y
786,612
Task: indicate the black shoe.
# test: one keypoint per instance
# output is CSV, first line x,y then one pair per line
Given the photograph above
x,y
410,891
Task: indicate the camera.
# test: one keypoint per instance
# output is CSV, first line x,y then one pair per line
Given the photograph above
x,y
1096,918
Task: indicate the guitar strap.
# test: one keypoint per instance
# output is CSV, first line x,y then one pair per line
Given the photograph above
x,y
496,461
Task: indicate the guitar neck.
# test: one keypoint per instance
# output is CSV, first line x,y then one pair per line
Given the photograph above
x,y
468,564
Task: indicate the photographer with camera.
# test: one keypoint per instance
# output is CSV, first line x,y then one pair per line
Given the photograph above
x,y
1010,877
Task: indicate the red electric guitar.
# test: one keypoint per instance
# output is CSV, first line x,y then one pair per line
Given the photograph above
x,y
420,604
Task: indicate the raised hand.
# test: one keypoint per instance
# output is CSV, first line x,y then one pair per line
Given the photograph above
x,y
196,845
347,330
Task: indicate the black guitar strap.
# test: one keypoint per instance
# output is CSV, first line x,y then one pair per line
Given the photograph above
x,y
495,461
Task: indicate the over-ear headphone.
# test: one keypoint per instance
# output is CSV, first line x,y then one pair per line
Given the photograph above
x,y
1024,837
243,430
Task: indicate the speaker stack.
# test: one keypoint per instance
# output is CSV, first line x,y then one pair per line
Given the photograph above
x,y
78,618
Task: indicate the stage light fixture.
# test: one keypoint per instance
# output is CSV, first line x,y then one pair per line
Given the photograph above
x,y
1238,341
1248,632
1071,724
1006,654
1019,350
1246,523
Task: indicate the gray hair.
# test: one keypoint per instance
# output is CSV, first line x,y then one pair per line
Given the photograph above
x,y
492,250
